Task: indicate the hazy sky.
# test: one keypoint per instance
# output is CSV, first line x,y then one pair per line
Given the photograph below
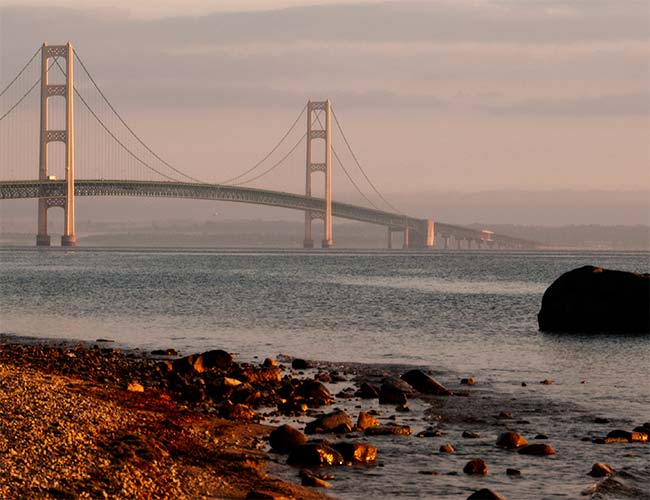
x,y
462,95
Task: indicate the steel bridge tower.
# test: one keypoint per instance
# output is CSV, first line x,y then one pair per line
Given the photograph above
x,y
66,136
326,168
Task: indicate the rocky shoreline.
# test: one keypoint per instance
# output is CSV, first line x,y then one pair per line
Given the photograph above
x,y
91,421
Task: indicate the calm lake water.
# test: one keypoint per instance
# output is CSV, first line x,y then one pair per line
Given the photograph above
x,y
469,313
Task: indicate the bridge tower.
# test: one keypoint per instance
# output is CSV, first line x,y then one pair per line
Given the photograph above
x,y
326,168
66,136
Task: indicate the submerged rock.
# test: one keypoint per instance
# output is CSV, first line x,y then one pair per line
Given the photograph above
x,y
592,299
538,449
486,494
447,448
388,430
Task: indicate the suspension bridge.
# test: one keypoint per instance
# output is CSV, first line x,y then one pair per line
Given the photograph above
x,y
113,160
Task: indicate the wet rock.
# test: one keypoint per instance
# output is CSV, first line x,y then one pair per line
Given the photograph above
x,y
600,420
285,438
470,435
301,364
467,381
428,472
504,415
269,362
626,436
486,494
600,470
337,421
592,299
165,352
513,472
403,408
642,429
315,393
388,430
538,449
337,377
356,452
429,433
308,478
259,375
238,412
393,392
135,387
199,363
541,436
524,384
367,391
511,440
365,421
476,466
313,454
546,381
421,382
447,448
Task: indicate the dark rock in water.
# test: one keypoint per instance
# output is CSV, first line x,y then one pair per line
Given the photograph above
x,y
467,381
301,364
600,420
546,381
285,438
311,454
269,362
541,436
504,415
476,466
626,436
421,382
513,472
165,352
511,440
315,393
394,392
447,448
367,391
429,433
337,421
538,449
356,452
592,299
485,494
365,421
403,408
600,470
387,430
470,435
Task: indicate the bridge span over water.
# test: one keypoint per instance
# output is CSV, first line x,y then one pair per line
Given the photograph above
x,y
112,160
418,233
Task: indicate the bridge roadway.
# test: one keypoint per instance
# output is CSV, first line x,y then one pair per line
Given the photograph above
x,y
200,191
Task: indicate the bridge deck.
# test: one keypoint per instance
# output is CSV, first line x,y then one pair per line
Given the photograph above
x,y
218,192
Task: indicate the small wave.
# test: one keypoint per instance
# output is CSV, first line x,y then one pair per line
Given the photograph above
x,y
626,483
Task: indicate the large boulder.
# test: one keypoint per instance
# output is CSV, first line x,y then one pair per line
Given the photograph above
x,y
592,299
